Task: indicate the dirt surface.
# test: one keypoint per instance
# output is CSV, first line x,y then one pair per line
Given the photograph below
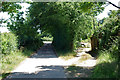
x,y
78,72
83,66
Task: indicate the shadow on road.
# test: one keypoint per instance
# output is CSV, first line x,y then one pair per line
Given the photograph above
x,y
45,52
42,72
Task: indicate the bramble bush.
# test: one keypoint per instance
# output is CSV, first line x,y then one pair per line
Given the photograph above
x,y
8,43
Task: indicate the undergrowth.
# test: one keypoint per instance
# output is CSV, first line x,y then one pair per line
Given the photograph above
x,y
10,55
9,62
107,63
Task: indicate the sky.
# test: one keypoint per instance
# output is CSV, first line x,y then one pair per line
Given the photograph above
x,y
107,8
25,6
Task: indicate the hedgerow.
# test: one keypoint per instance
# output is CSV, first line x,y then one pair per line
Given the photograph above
x,y
8,43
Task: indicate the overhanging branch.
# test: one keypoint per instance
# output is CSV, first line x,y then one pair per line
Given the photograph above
x,y
113,4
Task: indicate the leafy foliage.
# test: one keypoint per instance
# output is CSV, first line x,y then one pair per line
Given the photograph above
x,y
25,30
64,21
10,7
108,60
10,61
8,43
108,30
107,63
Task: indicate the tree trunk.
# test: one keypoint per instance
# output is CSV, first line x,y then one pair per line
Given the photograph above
x,y
94,43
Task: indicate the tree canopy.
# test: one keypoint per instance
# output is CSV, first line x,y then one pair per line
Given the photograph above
x,y
10,7
65,21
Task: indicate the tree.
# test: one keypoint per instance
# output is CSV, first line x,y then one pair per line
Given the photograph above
x,y
24,29
113,4
63,20
10,7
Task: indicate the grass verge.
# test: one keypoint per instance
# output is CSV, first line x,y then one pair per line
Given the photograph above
x,y
66,55
9,62
107,64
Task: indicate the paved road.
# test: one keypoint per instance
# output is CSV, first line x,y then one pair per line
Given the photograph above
x,y
43,64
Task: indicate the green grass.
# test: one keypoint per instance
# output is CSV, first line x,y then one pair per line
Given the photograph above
x,y
47,38
107,65
9,62
66,55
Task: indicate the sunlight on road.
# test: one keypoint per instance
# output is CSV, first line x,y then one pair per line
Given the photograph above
x,y
30,64
47,42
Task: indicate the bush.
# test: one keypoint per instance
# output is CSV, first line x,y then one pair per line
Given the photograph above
x,y
8,43
34,44
107,62
108,31
108,59
10,61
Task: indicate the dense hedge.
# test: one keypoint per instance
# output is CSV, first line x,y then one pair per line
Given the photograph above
x,y
8,43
